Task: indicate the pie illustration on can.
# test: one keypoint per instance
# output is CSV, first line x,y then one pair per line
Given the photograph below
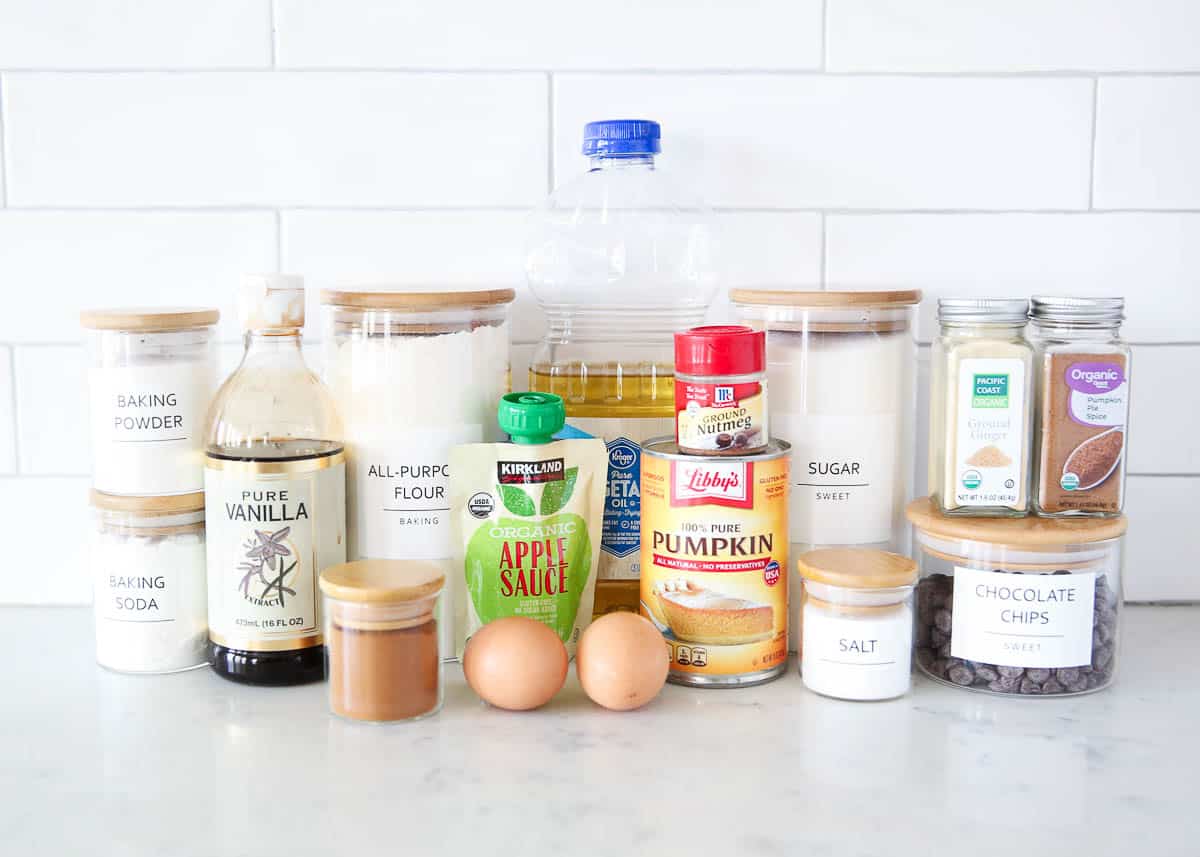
x,y
700,615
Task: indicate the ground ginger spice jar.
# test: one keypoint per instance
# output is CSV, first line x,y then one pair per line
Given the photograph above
x,y
381,639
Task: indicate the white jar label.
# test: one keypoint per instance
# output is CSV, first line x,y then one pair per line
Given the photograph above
x,y
399,507
843,477
272,528
990,431
147,423
858,653
137,594
1023,620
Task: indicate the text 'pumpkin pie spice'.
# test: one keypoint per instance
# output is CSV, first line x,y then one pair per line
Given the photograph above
x,y
714,561
1083,389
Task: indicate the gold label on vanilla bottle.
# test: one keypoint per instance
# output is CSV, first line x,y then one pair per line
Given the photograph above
x,y
272,527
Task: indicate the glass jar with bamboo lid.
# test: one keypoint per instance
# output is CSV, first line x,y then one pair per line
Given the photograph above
x,y
1027,606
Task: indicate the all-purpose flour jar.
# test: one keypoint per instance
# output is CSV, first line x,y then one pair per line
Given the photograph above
x,y
840,367
148,572
152,377
413,374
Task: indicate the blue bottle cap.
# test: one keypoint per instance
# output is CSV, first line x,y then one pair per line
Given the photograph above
x,y
621,137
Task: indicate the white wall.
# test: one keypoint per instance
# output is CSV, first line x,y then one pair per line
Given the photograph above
x,y
154,151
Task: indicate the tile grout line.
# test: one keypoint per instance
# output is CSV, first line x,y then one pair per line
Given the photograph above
x,y
3,145
824,264
272,16
1092,152
749,71
824,36
203,209
550,123
16,422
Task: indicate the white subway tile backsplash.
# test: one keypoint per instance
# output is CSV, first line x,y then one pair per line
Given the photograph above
x,y
123,34
51,397
659,34
1160,557
8,415
418,251
45,557
282,139
776,141
1147,137
1151,259
1012,35
1165,410
57,263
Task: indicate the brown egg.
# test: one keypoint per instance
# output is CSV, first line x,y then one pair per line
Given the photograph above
x,y
515,663
621,661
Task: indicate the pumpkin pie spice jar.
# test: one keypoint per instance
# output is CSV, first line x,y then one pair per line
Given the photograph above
x,y
381,639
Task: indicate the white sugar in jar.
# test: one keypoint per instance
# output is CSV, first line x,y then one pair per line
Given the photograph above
x,y
148,573
151,379
413,374
857,623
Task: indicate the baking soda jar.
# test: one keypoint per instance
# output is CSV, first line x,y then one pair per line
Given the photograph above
x,y
620,259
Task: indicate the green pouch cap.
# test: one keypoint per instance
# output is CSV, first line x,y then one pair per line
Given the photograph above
x,y
531,418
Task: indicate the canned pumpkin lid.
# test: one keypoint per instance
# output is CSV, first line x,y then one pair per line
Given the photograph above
x,y
1029,532
149,318
383,581
857,568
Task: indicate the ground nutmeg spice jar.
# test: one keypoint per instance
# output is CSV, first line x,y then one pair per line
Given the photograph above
x,y
1028,606
381,639
721,390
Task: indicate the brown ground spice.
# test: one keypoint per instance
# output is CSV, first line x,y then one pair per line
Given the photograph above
x,y
1068,446
989,456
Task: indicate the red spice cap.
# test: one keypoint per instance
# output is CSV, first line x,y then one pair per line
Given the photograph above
x,y
720,349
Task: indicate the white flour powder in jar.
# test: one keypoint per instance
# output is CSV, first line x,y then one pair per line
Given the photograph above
x,y
413,374
151,598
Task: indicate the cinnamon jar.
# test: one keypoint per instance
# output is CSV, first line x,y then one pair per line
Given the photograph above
x,y
381,639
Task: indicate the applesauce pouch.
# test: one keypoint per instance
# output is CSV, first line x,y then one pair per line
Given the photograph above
x,y
526,518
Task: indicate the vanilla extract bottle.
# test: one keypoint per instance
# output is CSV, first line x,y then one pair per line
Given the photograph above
x,y
275,496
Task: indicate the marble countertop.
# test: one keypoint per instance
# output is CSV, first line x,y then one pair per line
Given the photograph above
x,y
98,763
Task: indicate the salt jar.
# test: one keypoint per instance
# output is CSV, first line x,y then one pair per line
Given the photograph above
x,y
1027,606
841,367
151,378
856,623
381,639
413,374
148,572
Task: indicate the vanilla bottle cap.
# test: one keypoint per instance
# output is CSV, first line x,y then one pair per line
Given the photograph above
x,y
271,302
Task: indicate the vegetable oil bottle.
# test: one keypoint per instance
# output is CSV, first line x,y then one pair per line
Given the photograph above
x,y
620,259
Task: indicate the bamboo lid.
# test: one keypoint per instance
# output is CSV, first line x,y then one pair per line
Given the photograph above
x,y
826,300
1030,532
171,504
383,581
382,299
857,568
148,318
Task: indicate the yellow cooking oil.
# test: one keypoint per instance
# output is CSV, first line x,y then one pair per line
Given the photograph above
x,y
625,404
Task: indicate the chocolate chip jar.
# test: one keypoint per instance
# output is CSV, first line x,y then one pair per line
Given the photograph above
x,y
1025,606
